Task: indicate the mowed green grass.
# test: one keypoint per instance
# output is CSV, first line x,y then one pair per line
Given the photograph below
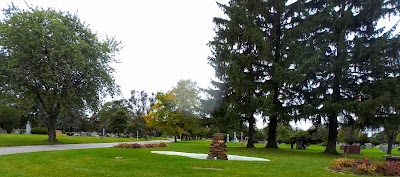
x,y
141,162
23,140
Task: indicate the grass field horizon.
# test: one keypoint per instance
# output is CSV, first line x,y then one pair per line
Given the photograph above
x,y
141,162
33,139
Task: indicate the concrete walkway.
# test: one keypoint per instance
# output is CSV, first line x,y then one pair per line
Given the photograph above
x,y
38,148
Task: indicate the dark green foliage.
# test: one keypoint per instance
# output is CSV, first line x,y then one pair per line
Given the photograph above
x,y
378,138
9,118
119,121
249,59
58,62
139,104
342,54
39,130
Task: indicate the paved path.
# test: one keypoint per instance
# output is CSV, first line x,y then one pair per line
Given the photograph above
x,y
37,148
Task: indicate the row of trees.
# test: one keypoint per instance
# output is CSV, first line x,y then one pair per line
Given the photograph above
x,y
320,60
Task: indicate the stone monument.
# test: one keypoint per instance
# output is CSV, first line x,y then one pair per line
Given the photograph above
x,y
241,138
234,137
227,138
28,128
218,148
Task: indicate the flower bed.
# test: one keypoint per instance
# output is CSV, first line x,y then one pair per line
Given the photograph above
x,y
136,145
365,167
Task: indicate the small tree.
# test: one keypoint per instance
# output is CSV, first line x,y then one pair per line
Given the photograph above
x,y
164,114
119,121
9,118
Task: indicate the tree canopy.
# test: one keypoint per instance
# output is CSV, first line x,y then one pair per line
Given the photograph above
x,y
53,58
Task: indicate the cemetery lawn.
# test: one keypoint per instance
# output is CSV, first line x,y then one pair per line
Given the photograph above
x,y
141,162
23,139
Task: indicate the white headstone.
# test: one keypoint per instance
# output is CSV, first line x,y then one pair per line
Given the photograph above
x,y
227,137
28,128
234,137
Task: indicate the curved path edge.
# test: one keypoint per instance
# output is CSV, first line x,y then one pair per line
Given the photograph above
x,y
39,148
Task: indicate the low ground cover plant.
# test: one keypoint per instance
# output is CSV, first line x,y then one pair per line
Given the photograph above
x,y
136,145
365,167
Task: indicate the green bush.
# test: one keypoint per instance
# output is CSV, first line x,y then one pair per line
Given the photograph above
x,y
39,130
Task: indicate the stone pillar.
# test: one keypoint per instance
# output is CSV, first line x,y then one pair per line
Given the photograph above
x,y
227,137
28,128
234,137
241,138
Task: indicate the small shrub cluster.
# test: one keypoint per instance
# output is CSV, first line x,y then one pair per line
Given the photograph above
x,y
340,163
136,145
39,130
366,167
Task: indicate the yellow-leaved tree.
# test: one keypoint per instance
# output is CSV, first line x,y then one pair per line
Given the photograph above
x,y
165,115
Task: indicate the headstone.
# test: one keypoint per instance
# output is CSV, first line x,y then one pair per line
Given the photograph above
x,y
241,138
227,137
93,134
28,128
17,131
234,137
299,144
384,148
2,131
218,148
352,149
59,132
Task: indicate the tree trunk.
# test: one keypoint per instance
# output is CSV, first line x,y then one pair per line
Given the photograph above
x,y
175,138
390,144
250,142
51,130
332,135
273,123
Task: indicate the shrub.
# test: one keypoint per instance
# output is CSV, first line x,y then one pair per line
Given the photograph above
x,y
39,130
151,145
366,167
338,164
69,133
123,145
388,168
163,145
136,145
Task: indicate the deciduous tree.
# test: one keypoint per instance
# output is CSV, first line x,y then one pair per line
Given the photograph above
x,y
55,59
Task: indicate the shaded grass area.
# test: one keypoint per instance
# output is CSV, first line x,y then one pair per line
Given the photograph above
x,y
140,162
23,140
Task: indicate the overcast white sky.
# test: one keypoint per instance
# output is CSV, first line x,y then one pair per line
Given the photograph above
x,y
163,41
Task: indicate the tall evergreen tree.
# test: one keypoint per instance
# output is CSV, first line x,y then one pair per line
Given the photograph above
x,y
237,59
339,47
251,56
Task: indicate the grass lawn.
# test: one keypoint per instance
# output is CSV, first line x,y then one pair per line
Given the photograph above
x,y
23,140
140,162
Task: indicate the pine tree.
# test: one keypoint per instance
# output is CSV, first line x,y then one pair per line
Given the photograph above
x,y
338,49
250,56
